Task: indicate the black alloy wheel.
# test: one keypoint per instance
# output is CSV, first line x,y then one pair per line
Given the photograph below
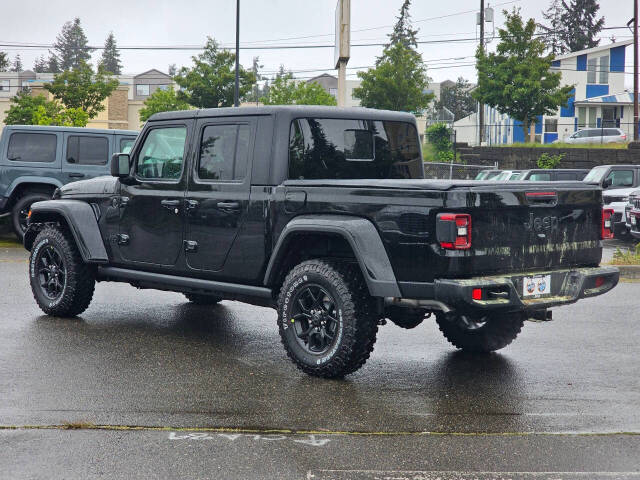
x,y
52,272
314,319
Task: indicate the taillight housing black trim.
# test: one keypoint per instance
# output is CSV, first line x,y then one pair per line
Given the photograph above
x,y
607,225
453,230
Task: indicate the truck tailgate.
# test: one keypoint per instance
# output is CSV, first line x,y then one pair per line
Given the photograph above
x,y
523,227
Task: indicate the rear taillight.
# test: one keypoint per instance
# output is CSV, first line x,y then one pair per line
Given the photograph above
x,y
623,136
607,226
453,231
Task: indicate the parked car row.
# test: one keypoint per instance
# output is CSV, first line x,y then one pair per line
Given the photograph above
x,y
534,175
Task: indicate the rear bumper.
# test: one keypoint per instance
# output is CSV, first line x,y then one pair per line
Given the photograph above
x,y
504,293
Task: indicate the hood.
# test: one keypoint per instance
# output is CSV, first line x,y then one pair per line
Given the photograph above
x,y
617,192
95,186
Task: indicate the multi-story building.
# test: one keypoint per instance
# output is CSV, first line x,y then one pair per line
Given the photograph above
x,y
122,107
598,99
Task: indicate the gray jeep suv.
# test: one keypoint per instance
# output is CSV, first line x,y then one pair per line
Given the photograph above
x,y
35,160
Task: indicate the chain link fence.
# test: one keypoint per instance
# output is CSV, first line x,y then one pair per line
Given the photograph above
x,y
454,171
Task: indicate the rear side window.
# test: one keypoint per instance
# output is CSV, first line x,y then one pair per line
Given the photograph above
x,y
32,147
87,150
540,177
567,176
224,150
324,148
611,132
126,144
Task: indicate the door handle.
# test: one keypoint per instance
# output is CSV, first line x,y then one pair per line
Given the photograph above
x,y
229,205
170,204
191,204
76,175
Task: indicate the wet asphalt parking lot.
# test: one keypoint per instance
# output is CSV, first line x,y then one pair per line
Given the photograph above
x,y
145,385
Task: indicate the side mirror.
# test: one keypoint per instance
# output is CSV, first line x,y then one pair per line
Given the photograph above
x,y
120,165
607,182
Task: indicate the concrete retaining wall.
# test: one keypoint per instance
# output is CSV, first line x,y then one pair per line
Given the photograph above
x,y
524,158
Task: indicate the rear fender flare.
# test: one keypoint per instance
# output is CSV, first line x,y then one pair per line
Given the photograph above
x,y
361,235
81,220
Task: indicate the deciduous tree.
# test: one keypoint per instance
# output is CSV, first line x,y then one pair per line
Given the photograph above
x,y
209,83
162,101
399,79
26,109
516,79
81,88
285,90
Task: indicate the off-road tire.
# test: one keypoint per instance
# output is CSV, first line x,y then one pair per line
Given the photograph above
x,y
79,284
497,332
405,317
23,203
199,299
356,315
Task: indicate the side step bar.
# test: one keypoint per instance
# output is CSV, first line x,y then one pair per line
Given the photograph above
x,y
166,282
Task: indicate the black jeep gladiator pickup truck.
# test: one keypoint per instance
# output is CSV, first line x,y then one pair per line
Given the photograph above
x,y
324,214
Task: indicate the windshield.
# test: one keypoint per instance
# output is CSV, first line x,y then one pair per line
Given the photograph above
x,y
492,175
503,176
596,174
481,176
515,176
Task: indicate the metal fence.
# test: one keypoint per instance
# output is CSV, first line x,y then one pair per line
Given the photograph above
x,y
454,171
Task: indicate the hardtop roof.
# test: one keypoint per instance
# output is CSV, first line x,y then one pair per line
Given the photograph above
x,y
48,128
292,111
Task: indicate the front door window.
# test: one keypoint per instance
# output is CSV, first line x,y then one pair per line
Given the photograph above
x,y
162,154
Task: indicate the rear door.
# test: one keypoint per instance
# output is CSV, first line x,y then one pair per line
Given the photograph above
x,y
217,200
86,155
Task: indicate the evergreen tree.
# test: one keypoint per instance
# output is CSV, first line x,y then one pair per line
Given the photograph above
x,y
4,61
71,46
580,24
552,33
16,66
40,64
110,60
399,79
256,92
172,70
457,99
53,63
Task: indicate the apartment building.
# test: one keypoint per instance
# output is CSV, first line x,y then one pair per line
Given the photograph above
x,y
598,99
121,108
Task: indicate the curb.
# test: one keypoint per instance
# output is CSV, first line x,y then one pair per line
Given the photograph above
x,y
629,272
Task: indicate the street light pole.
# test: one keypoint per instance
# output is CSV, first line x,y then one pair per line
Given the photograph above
x,y
480,105
635,70
236,93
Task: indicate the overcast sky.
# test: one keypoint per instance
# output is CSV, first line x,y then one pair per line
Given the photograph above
x,y
270,22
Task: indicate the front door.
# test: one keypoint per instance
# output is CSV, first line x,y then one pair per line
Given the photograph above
x,y
217,200
152,208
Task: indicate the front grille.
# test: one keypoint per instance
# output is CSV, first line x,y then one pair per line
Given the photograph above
x,y
636,203
617,217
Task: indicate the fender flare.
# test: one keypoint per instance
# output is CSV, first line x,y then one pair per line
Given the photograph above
x,y
44,181
361,235
81,220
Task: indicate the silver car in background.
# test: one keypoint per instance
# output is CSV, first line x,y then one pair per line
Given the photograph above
x,y
597,135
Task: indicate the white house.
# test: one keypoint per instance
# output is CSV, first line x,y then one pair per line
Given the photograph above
x,y
598,100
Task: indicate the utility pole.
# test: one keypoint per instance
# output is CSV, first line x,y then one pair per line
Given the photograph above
x,y
635,70
236,93
480,105
342,48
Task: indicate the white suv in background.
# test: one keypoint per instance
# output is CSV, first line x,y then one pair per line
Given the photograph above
x,y
597,135
617,181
